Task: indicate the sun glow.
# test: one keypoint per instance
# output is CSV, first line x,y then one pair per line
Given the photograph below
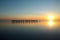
x,y
50,18
50,21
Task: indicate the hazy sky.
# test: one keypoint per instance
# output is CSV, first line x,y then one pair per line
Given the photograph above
x,y
20,8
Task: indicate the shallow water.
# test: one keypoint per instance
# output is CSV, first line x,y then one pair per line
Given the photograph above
x,y
44,30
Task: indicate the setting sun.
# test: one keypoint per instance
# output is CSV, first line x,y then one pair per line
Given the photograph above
x,y
50,17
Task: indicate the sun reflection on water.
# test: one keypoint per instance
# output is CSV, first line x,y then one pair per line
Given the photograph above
x,y
50,23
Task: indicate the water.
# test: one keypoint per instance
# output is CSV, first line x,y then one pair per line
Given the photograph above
x,y
44,30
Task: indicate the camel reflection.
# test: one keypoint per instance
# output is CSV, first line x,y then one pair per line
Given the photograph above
x,y
24,21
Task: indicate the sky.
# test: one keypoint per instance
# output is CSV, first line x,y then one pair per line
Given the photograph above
x,y
28,8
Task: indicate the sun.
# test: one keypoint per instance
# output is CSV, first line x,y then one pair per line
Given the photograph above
x,y
50,17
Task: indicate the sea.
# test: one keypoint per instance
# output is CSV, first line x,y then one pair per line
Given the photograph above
x,y
42,30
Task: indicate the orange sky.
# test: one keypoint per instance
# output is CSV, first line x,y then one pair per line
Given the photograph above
x,y
30,17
